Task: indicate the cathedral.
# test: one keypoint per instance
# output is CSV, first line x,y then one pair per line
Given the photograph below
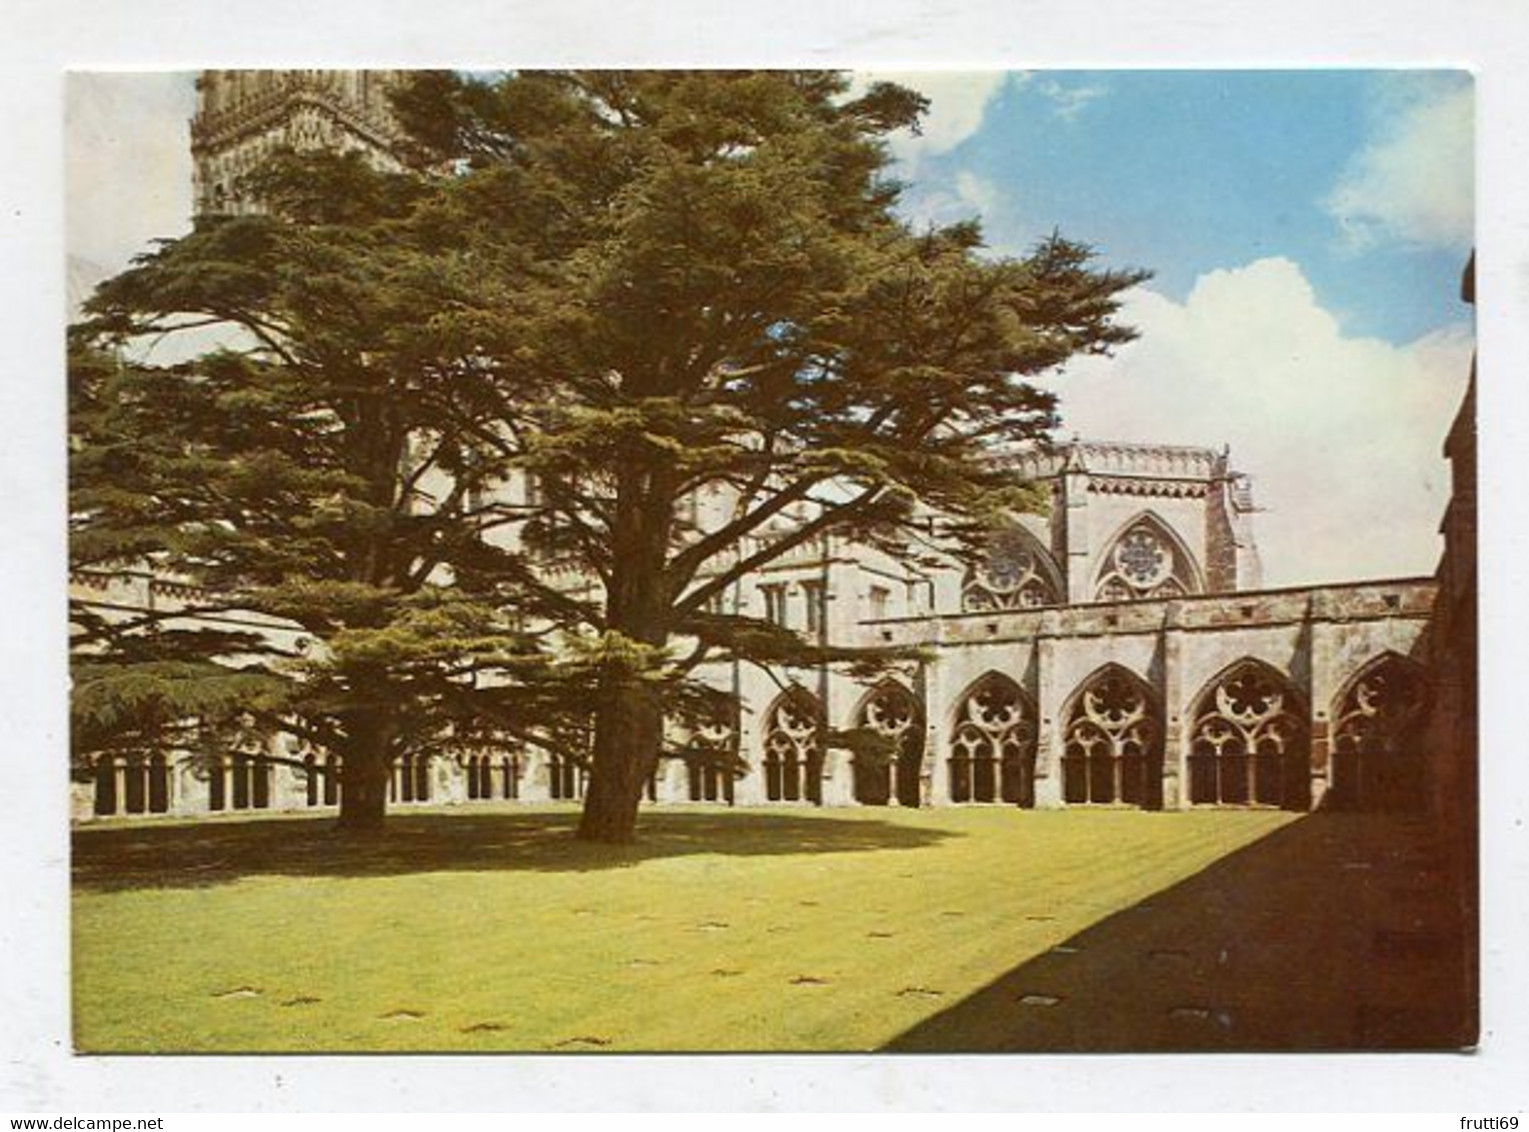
x,y
1119,650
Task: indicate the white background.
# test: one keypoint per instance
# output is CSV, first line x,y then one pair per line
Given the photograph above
x,y
41,40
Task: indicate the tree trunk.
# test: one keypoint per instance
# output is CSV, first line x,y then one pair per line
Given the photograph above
x,y
629,725
364,767
629,712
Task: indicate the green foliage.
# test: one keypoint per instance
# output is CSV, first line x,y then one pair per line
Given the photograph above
x,y
274,411
718,297
135,708
634,287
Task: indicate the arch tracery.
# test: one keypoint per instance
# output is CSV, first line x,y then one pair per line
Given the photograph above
x,y
1249,741
1376,759
1112,748
894,713
709,768
992,744
793,748
1015,573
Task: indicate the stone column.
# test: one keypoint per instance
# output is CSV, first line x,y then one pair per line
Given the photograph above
x,y
448,780
1175,750
1048,722
1075,532
671,781
535,779
934,786
188,794
1321,751
288,786
754,695
838,779
838,775
1321,644
749,790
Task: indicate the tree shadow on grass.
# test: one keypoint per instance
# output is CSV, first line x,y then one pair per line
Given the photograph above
x,y
200,854
1336,932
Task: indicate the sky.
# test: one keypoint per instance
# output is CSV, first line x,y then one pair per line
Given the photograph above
x,y
1306,231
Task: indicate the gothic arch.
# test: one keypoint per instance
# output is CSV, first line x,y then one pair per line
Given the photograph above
x,y
892,711
478,770
567,777
1112,741
992,743
793,747
709,767
133,784
410,778
1376,761
1249,741
1016,572
1146,558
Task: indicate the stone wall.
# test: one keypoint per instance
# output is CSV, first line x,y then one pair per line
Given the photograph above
x,y
1313,644
1317,639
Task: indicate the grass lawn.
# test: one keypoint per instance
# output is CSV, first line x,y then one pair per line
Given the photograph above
x,y
491,929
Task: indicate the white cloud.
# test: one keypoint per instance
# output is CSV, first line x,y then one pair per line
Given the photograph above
x,y
963,196
1342,435
957,103
128,163
1066,102
1414,183
978,192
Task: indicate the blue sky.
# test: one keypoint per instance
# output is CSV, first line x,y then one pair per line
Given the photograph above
x,y
1307,232
1306,229
1183,172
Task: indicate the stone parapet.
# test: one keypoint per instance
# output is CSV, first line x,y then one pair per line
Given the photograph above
x,y
1411,598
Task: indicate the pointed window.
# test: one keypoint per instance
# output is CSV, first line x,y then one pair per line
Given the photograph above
x,y
1014,574
1377,761
812,595
893,713
710,760
1146,561
775,603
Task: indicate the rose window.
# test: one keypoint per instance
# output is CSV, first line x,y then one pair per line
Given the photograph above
x,y
1142,559
1011,576
1144,563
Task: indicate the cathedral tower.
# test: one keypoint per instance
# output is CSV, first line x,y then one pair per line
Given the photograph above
x,y
243,117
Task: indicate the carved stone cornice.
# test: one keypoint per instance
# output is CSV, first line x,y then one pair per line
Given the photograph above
x,y
1103,460
267,111
1160,488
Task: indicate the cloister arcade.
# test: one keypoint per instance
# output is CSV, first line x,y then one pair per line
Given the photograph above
x,y
1113,647
1193,712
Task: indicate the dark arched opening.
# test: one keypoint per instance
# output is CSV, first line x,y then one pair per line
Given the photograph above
x,y
893,713
1249,742
992,746
1377,758
1113,743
